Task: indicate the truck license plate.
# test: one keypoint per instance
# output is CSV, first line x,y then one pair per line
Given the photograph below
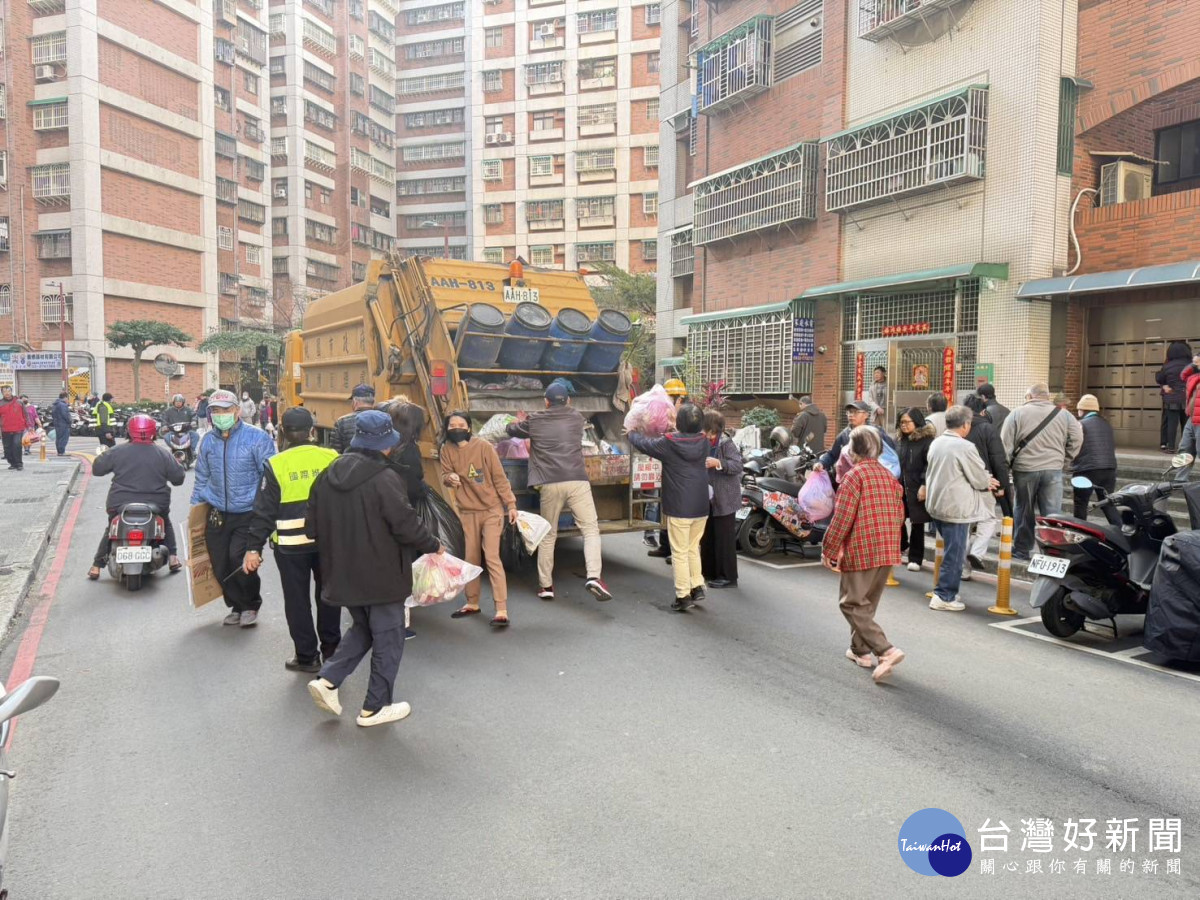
x,y
1050,566
743,513
133,555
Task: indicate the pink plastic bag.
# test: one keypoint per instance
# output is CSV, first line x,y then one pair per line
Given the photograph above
x,y
652,413
513,448
437,578
816,497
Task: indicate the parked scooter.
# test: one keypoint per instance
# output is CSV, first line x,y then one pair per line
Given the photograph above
x,y
1089,571
137,536
32,693
770,518
178,438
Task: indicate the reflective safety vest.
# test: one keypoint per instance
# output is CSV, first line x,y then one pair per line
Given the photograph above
x,y
296,469
107,406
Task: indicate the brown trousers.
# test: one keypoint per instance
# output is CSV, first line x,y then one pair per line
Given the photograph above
x,y
860,593
482,531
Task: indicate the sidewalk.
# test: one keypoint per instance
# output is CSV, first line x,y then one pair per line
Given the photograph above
x,y
31,503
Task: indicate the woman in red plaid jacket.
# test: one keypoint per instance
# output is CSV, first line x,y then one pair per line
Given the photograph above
x,y
861,545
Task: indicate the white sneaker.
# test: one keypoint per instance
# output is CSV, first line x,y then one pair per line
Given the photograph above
x,y
914,567
392,713
324,696
955,605
967,572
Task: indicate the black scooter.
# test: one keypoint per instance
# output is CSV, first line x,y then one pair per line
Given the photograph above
x,y
766,520
1091,571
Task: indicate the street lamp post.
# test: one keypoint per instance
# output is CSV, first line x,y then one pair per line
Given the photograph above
x,y
429,223
62,332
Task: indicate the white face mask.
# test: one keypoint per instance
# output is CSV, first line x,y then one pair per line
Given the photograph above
x,y
245,396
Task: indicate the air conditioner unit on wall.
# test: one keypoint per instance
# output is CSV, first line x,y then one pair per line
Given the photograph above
x,y
44,73
281,193
1125,182
503,137
490,138
546,31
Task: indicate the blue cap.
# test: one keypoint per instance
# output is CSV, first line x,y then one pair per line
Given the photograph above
x,y
556,394
374,431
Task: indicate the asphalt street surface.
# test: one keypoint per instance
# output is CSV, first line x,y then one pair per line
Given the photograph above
x,y
592,750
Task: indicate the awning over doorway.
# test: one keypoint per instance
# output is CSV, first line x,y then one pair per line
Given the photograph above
x,y
741,313
1119,280
999,271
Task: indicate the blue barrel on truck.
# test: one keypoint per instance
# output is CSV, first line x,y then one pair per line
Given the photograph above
x,y
480,336
571,329
609,335
529,320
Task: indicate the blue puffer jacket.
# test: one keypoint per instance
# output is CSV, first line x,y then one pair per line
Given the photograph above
x,y
228,471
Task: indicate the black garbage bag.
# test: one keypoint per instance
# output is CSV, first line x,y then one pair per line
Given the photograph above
x,y
1173,615
442,523
513,555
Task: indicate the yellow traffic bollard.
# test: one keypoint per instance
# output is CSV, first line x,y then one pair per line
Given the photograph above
x,y
42,450
939,552
1004,572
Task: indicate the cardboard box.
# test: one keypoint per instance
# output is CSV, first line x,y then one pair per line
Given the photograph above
x,y
203,585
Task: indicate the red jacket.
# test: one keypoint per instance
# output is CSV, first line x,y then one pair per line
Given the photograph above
x,y
12,415
865,530
1191,378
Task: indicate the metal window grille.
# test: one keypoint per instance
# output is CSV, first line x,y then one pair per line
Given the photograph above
x,y
319,156
277,65
381,171
360,160
278,104
225,145
799,39
325,6
592,22
767,193
650,157
50,116
602,252
430,49
653,13
53,244
493,255
252,43
252,130
878,19
223,51
3,168
493,81
602,114
493,169
250,211
542,255
543,73
358,271
318,115
652,62
221,100
752,353
380,27
595,207
381,99
6,300
595,160
51,181
46,49
652,109
319,77
356,46
940,144
429,14
1068,103
597,70
275,26
58,310
319,231
321,271
457,251
493,214
279,147
279,228
650,204
436,220
4,234
226,190
318,37
693,134
539,166
422,186
649,250
683,254
735,66
224,237
543,211
358,84
422,152
253,255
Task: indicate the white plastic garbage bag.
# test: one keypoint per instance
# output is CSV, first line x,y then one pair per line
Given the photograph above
x,y
533,529
440,577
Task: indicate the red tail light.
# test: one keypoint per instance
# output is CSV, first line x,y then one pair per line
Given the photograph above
x,y
136,537
439,382
1060,537
160,530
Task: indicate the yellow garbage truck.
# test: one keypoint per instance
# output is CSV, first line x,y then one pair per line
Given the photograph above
x,y
452,335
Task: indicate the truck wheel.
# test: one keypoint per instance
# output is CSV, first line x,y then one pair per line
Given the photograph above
x,y
756,537
1060,621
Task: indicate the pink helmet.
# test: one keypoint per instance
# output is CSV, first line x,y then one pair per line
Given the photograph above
x,y
142,429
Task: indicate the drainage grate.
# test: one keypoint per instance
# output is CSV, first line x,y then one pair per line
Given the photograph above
x,y
25,500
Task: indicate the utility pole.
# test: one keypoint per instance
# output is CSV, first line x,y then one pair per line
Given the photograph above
x,y
62,332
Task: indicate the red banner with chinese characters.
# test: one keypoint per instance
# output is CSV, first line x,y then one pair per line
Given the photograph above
x,y
908,330
860,370
948,373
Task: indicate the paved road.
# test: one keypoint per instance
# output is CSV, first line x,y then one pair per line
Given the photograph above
x,y
593,750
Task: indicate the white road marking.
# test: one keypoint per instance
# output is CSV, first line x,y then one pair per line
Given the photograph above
x,y
1123,656
771,565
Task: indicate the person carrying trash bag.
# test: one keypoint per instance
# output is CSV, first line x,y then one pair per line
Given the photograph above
x,y
485,500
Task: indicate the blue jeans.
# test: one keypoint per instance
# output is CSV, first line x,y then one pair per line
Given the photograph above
x,y
954,554
1187,445
1042,490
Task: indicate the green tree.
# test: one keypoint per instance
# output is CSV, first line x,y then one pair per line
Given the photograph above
x,y
245,343
634,294
139,335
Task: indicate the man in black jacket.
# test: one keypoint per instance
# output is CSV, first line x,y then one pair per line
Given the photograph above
x,y
362,397
986,437
809,427
857,413
367,537
996,412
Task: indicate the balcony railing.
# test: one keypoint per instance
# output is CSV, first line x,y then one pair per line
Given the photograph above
x,y
319,157
880,19
766,193
378,62
735,66
227,191
940,143
683,254
57,310
322,271
318,39
229,284
252,132
252,212
54,245
279,148
46,7
51,183
356,46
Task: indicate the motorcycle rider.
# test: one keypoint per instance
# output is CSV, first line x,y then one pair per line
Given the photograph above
x,y
143,472
179,412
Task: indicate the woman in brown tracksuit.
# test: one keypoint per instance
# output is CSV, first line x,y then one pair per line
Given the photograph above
x,y
483,495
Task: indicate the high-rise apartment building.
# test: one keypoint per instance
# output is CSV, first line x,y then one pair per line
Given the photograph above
x,y
332,145
530,129
117,176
